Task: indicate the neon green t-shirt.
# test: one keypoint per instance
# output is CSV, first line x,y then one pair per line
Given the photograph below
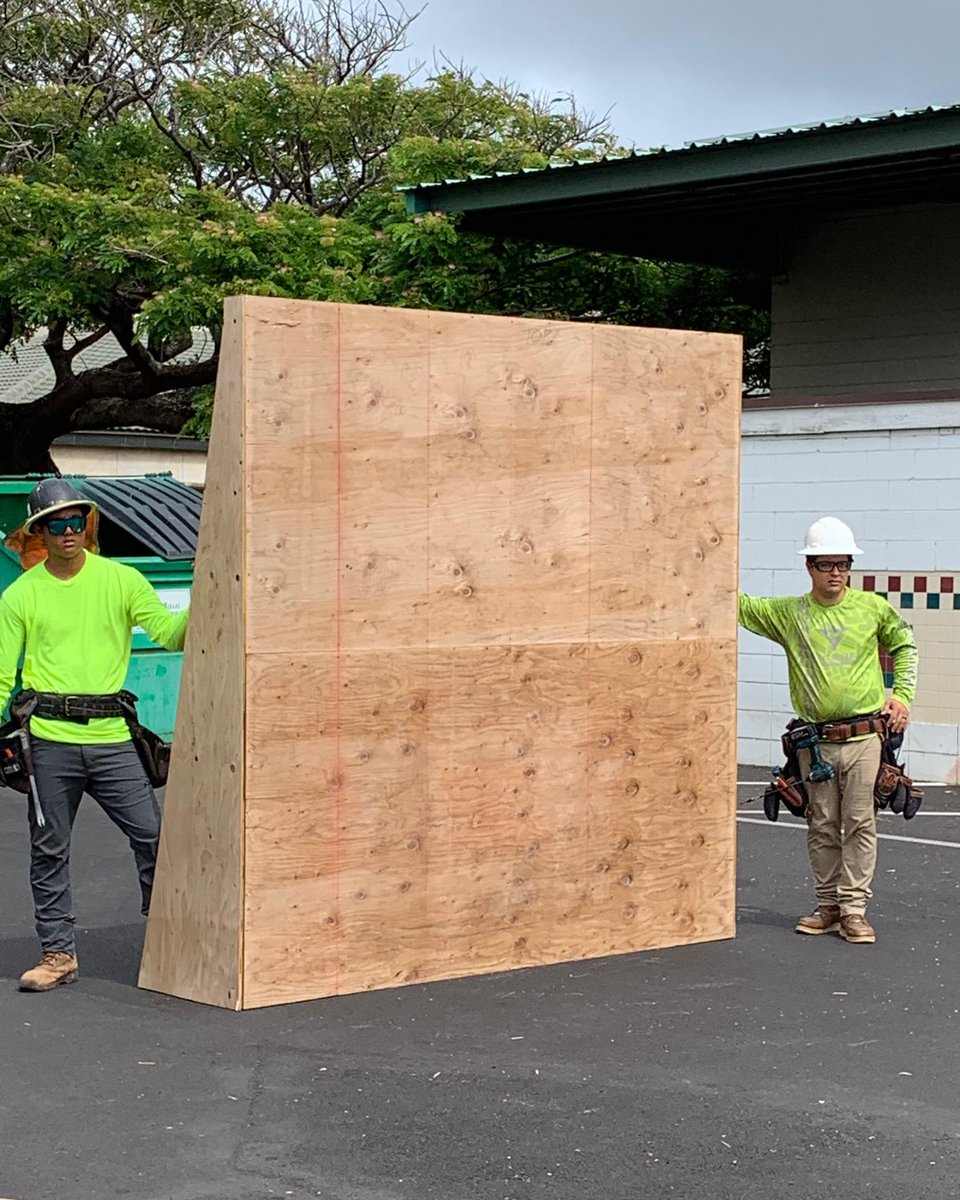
x,y
832,660
74,635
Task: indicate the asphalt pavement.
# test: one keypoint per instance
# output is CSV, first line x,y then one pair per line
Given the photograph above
x,y
761,1068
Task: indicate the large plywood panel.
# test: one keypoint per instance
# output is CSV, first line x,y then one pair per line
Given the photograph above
x,y
476,812
488,644
193,942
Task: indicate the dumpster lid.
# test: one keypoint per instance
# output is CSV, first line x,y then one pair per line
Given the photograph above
x,y
157,510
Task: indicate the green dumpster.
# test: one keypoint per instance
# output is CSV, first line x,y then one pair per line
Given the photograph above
x,y
150,522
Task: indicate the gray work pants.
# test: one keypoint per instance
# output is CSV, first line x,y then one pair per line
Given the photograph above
x,y
114,776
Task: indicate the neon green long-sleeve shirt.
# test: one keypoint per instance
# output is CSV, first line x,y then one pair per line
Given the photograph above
x,y
832,660
74,635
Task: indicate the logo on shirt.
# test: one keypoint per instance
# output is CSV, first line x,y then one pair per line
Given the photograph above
x,y
835,636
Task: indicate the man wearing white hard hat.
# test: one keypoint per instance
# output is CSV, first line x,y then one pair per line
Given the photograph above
x,y
831,636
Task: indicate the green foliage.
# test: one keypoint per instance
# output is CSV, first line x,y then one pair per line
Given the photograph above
x,y
159,157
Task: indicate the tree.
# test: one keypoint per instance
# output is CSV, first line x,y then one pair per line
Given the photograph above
x,y
157,158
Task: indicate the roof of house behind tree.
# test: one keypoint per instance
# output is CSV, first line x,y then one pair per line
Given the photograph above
x,y
726,201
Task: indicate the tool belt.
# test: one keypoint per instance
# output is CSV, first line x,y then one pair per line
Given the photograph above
x,y
893,787
853,727
153,751
53,706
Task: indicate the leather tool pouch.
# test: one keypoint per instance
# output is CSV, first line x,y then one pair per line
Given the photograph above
x,y
885,788
154,754
894,788
787,788
153,750
14,763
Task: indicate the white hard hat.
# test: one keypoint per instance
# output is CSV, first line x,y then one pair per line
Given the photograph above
x,y
829,536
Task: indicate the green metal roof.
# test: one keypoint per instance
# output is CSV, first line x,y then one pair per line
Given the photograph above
x,y
728,201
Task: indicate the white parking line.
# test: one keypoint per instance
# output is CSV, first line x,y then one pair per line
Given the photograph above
x,y
919,782
886,837
922,813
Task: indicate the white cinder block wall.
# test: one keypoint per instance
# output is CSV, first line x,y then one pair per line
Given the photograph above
x,y
892,472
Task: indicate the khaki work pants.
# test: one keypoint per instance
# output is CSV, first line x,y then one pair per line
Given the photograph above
x,y
842,823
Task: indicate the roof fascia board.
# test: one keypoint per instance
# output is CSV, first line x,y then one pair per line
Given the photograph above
x,y
762,157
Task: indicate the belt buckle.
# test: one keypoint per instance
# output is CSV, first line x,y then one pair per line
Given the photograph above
x,y
68,709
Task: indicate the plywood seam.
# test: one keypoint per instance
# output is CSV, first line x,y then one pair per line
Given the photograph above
x,y
243,498
338,636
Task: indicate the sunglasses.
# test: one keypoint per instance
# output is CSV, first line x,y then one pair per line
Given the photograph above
x,y
58,526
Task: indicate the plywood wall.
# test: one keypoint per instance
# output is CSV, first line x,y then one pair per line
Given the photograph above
x,y
488,636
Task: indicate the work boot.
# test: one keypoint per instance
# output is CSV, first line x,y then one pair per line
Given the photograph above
x,y
56,967
855,927
825,919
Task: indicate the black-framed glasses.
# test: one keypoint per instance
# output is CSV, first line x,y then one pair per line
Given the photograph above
x,y
58,526
827,566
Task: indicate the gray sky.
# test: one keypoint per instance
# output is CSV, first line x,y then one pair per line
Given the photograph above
x,y
675,70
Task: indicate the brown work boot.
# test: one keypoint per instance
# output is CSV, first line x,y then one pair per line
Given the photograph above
x,y
825,919
855,927
56,967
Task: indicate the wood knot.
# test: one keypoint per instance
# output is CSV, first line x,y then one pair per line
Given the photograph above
x,y
626,880
632,787
635,657
529,772
605,739
623,843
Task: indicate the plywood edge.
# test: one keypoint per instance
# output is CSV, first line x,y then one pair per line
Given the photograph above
x,y
193,944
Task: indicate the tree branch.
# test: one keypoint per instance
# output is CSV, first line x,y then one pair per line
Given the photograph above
x,y
166,412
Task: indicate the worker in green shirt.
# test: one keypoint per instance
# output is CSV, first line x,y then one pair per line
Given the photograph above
x,y
70,617
831,637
